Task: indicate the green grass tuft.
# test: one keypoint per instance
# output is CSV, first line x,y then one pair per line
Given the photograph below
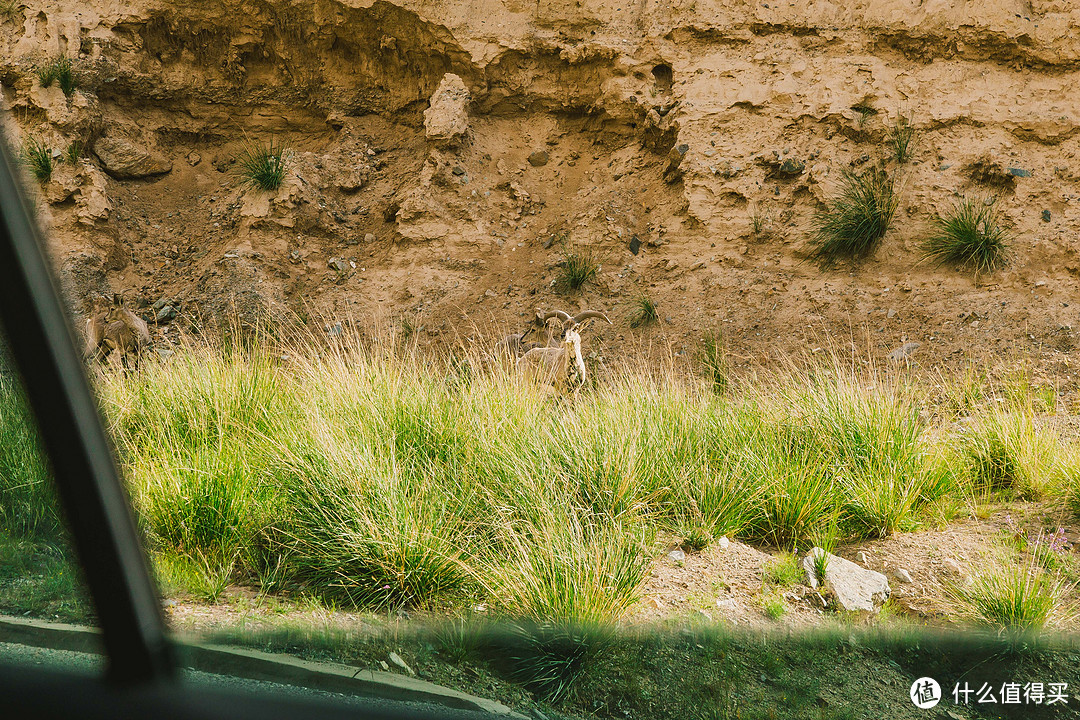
x,y
1013,596
852,227
901,139
1005,452
577,268
263,166
783,571
74,152
970,235
38,157
758,221
62,72
10,9
645,311
548,658
713,361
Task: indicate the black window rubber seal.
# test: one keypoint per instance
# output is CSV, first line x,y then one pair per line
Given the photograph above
x,y
79,453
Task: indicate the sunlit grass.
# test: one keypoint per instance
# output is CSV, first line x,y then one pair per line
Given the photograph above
x,y
1013,595
371,476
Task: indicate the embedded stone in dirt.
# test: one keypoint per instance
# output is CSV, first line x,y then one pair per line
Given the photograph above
x,y
855,588
446,121
903,575
124,159
538,158
904,351
396,659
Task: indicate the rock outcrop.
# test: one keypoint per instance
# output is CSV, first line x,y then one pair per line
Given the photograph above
x,y
446,121
854,588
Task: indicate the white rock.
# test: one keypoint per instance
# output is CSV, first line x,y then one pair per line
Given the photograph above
x,y
724,542
903,575
396,659
952,566
677,555
854,587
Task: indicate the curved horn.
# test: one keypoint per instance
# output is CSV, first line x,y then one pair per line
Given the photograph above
x,y
590,314
555,313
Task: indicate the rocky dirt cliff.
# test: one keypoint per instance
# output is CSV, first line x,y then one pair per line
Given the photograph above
x,y
685,144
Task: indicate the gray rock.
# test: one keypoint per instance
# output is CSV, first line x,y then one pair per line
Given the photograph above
x,y
339,265
396,659
161,302
165,314
334,330
904,351
1046,216
1019,172
727,604
677,555
724,542
538,158
635,244
855,588
369,237
124,159
903,575
952,566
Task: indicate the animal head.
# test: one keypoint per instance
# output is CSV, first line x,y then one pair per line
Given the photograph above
x,y
566,319
99,304
115,307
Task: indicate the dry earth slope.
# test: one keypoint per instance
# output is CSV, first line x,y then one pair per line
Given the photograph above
x,y
667,125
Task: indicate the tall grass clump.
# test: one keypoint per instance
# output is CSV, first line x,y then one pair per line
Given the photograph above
x,y
713,361
1004,451
970,234
568,570
1013,596
577,268
376,538
901,139
38,157
848,454
645,311
62,72
198,437
263,166
858,218
368,475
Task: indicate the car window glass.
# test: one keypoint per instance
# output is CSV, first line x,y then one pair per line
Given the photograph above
x,y
40,581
